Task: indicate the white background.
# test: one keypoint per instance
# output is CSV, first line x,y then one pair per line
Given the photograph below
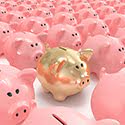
x,y
80,102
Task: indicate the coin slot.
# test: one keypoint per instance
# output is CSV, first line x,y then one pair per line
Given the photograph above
x,y
59,119
62,48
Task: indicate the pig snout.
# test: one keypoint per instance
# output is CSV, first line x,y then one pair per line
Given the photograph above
x,y
85,81
37,55
20,112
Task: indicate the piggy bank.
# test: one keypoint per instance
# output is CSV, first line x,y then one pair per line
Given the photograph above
x,y
97,4
16,94
102,53
64,35
22,49
108,96
93,27
64,18
42,12
13,17
62,116
65,67
120,8
85,13
34,24
64,8
114,22
80,6
104,11
5,31
3,11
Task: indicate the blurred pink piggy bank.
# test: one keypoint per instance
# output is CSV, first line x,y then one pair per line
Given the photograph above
x,y
3,11
64,8
80,6
62,116
108,53
120,8
5,30
104,11
85,13
42,12
34,25
64,18
16,94
22,50
97,4
64,35
114,22
108,96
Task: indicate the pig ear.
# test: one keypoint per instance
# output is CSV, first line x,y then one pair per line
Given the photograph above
x,y
16,45
26,14
92,27
108,21
14,25
122,40
42,37
49,20
62,18
86,54
60,33
27,76
117,21
76,14
80,28
108,122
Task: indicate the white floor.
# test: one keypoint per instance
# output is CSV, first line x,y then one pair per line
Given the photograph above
x,y
79,102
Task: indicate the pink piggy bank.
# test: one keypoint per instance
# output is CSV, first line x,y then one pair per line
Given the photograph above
x,y
104,11
65,35
64,8
85,13
120,8
3,11
42,12
114,22
13,17
97,4
108,96
22,50
80,6
108,53
34,25
62,116
93,27
64,18
16,94
5,31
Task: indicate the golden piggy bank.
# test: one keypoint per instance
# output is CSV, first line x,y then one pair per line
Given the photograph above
x,y
63,71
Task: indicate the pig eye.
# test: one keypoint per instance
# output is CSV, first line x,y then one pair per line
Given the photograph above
x,y
76,44
19,17
87,80
77,67
120,50
81,64
22,17
103,26
4,32
95,14
9,94
70,10
41,24
73,35
44,24
17,91
2,12
70,18
76,34
114,11
36,44
8,31
32,45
